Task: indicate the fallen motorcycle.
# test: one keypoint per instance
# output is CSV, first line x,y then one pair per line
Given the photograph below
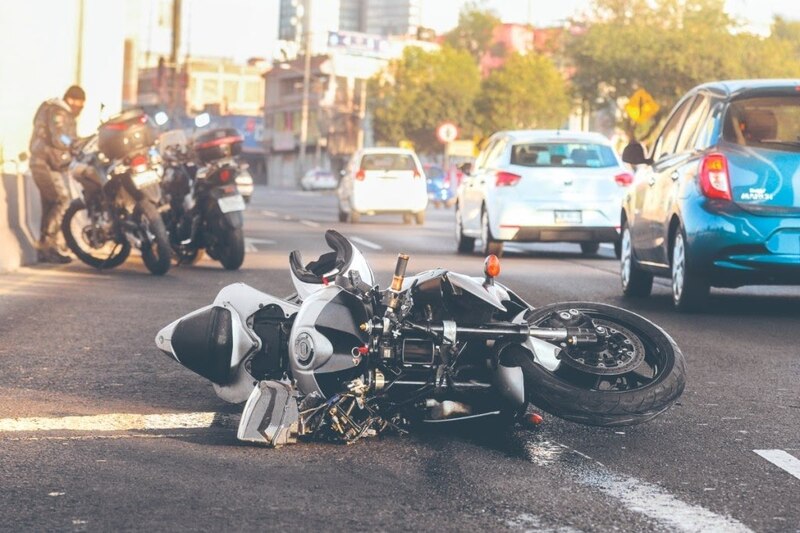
x,y
342,359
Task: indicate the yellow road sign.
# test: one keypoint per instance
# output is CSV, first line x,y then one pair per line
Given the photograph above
x,y
641,107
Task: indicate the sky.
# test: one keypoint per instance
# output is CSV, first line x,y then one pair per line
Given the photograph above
x,y
254,35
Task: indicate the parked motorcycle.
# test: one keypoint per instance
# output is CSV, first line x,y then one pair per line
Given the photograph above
x,y
119,172
342,359
206,208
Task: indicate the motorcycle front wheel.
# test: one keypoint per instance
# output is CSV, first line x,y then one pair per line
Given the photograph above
x,y
156,250
81,237
635,374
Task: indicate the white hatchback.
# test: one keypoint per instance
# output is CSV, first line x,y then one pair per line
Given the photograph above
x,y
383,180
542,186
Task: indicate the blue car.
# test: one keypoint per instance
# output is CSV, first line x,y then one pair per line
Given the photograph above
x,y
440,190
717,201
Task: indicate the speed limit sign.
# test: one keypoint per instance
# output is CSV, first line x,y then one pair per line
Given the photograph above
x,y
447,132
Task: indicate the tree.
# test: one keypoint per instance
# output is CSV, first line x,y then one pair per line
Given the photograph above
x,y
420,91
474,31
527,92
666,47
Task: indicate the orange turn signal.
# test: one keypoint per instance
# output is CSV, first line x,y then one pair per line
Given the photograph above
x,y
491,267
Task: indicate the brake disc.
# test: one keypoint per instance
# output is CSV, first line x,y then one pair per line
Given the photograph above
x,y
619,352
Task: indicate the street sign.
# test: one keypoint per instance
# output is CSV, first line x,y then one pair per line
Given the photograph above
x,y
641,107
447,132
461,148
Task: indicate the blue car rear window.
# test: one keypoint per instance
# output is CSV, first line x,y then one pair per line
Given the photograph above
x,y
582,155
767,122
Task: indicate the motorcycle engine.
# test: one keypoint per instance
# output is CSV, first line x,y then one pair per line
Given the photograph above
x,y
325,340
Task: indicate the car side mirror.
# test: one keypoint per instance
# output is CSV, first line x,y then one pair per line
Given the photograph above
x,y
633,154
466,168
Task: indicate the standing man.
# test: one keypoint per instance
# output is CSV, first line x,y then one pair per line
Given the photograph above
x,y
54,130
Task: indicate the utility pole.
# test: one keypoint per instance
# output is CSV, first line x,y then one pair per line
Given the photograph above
x,y
362,114
176,45
306,88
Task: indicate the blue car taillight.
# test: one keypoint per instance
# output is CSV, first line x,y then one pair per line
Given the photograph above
x,y
714,178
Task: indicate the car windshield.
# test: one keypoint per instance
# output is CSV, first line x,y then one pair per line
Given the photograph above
x,y
387,162
433,172
586,155
772,122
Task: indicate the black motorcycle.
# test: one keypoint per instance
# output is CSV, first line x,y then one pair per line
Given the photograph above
x,y
205,207
120,173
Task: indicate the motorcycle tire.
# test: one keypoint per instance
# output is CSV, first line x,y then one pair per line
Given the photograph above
x,y
156,250
231,251
99,260
610,399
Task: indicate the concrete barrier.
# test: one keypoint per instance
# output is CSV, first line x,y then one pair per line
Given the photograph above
x,y
20,215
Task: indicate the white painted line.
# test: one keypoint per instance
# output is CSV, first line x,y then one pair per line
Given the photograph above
x,y
658,504
270,214
309,223
117,422
250,244
365,242
635,495
606,245
783,460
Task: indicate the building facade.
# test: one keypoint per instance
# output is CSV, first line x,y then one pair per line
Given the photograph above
x,y
393,17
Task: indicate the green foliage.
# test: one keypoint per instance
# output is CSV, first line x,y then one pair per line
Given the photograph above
x,y
420,91
528,92
668,47
473,33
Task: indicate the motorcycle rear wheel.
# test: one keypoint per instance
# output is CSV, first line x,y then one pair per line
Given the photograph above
x,y
231,249
609,399
74,224
156,250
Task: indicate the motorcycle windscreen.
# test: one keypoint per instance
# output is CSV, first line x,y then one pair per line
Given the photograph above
x,y
203,343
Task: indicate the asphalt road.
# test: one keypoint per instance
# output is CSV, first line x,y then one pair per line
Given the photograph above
x,y
75,342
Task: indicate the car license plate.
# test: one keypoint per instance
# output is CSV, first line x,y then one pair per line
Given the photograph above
x,y
568,217
231,203
143,179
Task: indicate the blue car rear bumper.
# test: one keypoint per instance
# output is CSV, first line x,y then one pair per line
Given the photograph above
x,y
735,247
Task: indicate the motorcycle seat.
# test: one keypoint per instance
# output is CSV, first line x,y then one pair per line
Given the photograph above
x,y
329,263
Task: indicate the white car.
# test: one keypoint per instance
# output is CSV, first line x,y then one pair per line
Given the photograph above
x,y
318,179
383,180
542,186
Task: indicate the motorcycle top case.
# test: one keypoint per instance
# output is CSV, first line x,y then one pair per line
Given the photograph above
x,y
122,135
218,144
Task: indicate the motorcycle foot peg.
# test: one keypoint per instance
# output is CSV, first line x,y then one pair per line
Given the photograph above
x,y
270,416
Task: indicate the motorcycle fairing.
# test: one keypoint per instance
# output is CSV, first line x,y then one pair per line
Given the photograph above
x,y
241,301
324,335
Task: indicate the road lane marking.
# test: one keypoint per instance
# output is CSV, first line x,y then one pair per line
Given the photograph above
x,y
782,460
365,242
250,244
270,214
655,502
120,422
309,223
635,495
